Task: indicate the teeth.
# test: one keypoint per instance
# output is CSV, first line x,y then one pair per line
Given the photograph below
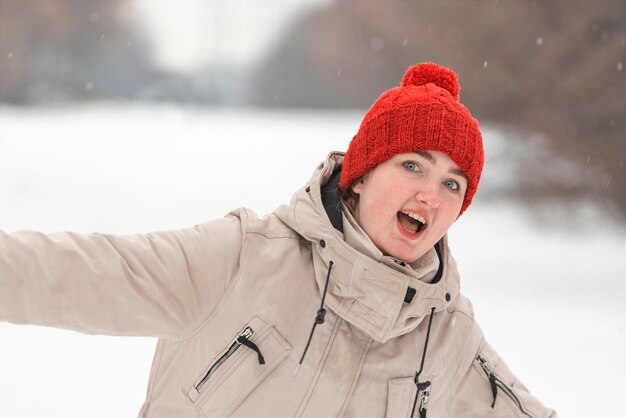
x,y
415,216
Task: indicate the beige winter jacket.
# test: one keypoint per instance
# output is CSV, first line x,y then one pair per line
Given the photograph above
x,y
234,301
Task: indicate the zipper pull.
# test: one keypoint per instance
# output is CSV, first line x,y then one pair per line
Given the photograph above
x,y
483,363
492,378
496,384
243,336
243,340
494,389
423,403
246,333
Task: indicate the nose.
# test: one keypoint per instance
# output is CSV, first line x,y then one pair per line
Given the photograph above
x,y
428,194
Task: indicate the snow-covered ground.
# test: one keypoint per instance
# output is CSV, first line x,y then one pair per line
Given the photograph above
x,y
550,299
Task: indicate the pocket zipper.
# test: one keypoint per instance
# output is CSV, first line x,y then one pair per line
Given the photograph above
x,y
496,384
242,339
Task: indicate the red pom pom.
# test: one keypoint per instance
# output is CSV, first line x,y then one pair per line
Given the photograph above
x,y
427,72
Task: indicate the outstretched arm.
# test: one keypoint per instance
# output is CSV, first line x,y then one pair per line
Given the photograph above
x,y
159,284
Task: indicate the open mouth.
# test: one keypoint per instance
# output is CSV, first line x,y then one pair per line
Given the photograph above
x,y
411,222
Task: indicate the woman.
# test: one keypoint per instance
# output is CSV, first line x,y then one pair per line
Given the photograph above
x,y
343,303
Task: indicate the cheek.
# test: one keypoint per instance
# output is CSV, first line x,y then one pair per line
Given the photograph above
x,y
452,209
388,201
375,209
371,213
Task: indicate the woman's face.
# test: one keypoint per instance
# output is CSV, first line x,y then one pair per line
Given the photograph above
x,y
408,203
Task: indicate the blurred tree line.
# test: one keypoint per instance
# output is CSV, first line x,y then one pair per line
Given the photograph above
x,y
53,51
550,72
546,67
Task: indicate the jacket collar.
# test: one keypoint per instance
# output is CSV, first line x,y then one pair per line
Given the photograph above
x,y
424,269
364,291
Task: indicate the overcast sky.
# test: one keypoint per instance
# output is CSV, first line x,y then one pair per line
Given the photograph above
x,y
187,34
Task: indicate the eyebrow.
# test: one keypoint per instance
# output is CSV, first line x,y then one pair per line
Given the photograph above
x,y
433,160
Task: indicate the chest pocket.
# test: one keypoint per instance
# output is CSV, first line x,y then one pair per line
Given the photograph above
x,y
254,352
401,396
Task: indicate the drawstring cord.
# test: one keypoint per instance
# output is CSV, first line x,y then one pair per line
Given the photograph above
x,y
319,318
422,385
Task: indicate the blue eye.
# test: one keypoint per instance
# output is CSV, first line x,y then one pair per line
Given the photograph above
x,y
412,166
451,184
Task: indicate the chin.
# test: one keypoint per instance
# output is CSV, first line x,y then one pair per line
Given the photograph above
x,y
408,256
412,258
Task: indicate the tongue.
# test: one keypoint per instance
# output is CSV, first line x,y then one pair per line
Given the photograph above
x,y
407,222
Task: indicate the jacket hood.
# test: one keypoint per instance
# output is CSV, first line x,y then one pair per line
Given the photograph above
x,y
365,292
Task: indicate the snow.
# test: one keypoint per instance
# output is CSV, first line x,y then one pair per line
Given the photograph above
x,y
549,298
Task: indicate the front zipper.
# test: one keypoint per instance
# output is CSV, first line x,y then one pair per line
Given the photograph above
x,y
243,335
496,384
423,404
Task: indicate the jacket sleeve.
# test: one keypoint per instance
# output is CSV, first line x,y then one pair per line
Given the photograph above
x,y
487,388
159,284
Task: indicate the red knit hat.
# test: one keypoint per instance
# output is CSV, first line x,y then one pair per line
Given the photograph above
x,y
424,113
